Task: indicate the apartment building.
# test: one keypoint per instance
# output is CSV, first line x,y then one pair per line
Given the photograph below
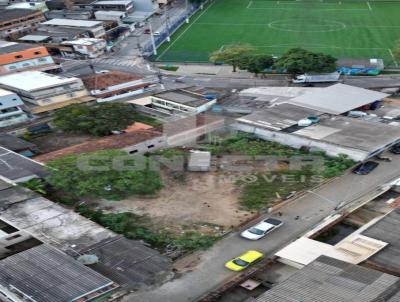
x,y
11,109
44,91
85,47
15,23
16,57
114,5
95,28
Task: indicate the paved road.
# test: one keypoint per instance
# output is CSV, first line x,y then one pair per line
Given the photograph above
x,y
311,208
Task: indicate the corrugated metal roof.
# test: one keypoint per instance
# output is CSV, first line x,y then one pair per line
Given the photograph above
x,y
330,280
337,99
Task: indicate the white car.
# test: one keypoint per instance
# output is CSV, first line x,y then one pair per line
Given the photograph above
x,y
156,34
261,229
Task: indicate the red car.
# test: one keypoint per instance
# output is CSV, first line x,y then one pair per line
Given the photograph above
x,y
147,31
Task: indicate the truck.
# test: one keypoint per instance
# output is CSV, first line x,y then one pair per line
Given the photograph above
x,y
317,78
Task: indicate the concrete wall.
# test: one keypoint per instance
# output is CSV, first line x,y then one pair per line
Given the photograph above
x,y
147,146
145,5
298,142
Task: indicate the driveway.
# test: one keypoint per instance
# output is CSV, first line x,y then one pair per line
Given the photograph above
x,y
311,208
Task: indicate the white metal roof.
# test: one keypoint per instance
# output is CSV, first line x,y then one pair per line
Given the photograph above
x,y
338,98
114,2
71,22
33,80
34,38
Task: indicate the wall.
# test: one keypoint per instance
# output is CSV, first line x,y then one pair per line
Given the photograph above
x,y
298,142
148,146
145,5
26,64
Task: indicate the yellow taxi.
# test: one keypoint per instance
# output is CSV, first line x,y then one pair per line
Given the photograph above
x,y
243,261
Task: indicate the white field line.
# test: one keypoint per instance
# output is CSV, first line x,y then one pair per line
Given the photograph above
x,y
313,9
266,24
187,28
394,60
250,3
369,6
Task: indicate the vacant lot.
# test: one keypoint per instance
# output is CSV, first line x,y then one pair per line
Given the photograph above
x,y
350,29
53,141
194,199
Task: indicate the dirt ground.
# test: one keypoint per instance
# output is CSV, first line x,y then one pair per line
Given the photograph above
x,y
55,141
200,199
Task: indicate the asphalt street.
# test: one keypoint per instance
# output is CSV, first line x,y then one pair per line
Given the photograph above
x,y
311,208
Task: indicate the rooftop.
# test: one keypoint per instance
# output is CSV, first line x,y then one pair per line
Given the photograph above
x,y
14,47
34,80
83,41
127,262
14,143
19,168
388,230
330,280
118,141
46,274
338,98
104,80
279,117
15,13
183,97
72,22
112,2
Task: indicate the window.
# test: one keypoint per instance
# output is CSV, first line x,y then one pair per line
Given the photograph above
x,y
133,151
150,146
37,53
13,237
12,67
42,60
18,56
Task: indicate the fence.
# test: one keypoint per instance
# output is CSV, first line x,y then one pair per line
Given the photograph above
x,y
171,29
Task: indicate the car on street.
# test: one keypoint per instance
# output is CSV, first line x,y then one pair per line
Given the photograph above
x,y
262,228
243,261
156,33
147,31
395,149
365,168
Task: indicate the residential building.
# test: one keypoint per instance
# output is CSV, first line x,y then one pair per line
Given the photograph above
x,y
110,15
53,36
11,111
17,145
40,6
45,91
115,85
84,48
124,261
95,28
68,14
114,5
330,280
15,57
15,23
182,101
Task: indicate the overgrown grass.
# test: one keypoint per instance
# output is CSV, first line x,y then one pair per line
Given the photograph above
x,y
141,118
169,67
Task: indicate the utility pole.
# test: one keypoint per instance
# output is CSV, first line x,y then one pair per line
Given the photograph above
x,y
153,43
167,27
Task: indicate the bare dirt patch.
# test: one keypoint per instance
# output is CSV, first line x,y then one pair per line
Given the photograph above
x,y
56,140
198,200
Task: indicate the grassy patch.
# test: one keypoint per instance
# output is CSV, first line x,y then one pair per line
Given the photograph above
x,y
141,118
168,67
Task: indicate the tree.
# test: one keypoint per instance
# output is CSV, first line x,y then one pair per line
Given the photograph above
x,y
102,179
231,54
396,51
255,63
299,61
97,120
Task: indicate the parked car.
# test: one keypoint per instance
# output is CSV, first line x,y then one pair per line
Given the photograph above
x,y
156,34
395,149
261,229
147,31
243,261
365,168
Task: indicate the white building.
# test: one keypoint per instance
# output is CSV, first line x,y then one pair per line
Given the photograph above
x,y
30,5
86,47
181,101
110,15
46,91
114,5
95,28
10,109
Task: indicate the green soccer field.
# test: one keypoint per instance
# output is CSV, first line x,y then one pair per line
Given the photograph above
x,y
344,29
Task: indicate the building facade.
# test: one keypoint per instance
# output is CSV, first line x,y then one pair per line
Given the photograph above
x,y
95,28
114,5
11,109
44,90
16,57
15,23
85,47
